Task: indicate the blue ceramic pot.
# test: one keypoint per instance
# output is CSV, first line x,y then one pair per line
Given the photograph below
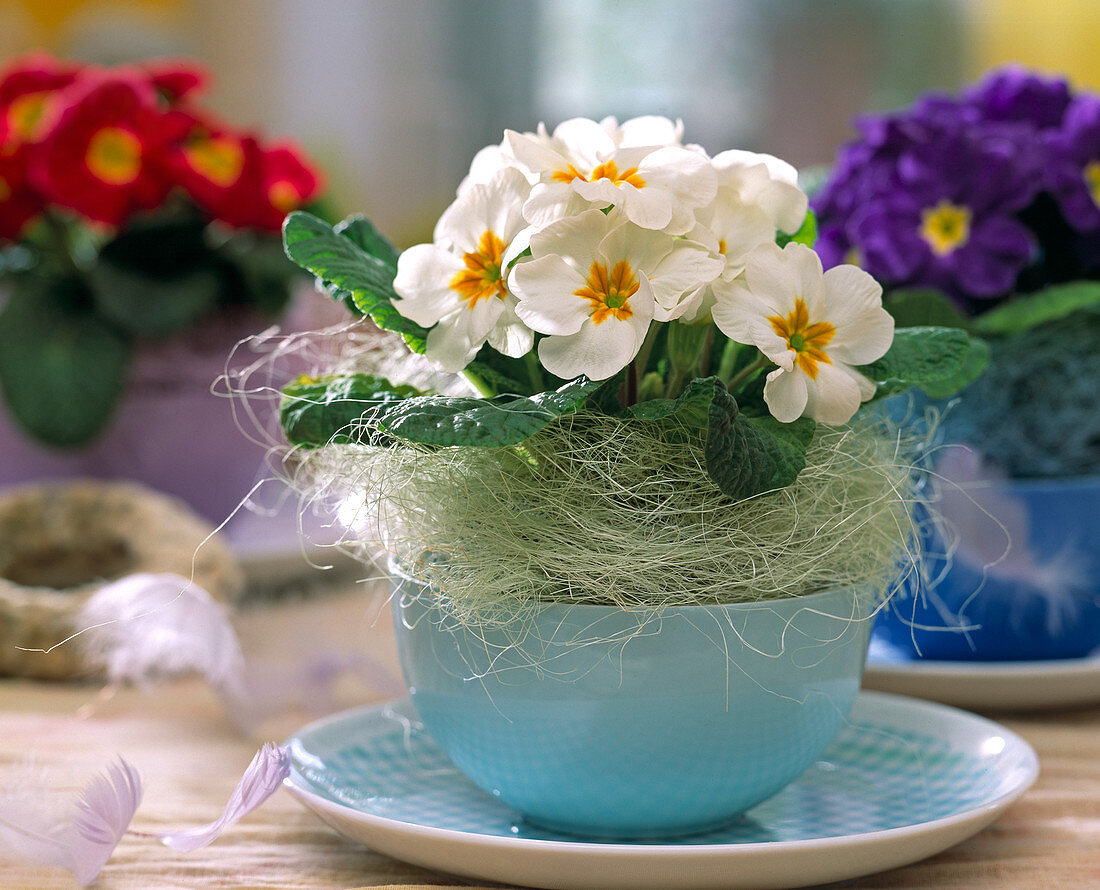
x,y
1038,600
602,722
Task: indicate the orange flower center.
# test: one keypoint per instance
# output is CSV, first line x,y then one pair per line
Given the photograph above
x,y
610,293
607,170
481,279
5,189
945,227
807,341
114,156
24,116
283,196
219,158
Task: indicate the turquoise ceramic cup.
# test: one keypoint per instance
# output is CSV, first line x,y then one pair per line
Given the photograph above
x,y
601,722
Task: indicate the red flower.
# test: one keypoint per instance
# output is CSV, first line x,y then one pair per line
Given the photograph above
x,y
26,88
176,79
19,203
102,157
235,180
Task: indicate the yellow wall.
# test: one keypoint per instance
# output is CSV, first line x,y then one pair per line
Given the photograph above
x,y
1055,36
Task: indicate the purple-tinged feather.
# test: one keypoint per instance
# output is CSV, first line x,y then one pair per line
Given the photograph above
x,y
261,779
145,627
105,809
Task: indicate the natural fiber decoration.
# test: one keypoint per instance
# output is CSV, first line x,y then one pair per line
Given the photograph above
x,y
1035,412
597,511
60,543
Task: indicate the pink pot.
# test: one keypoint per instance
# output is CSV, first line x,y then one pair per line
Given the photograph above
x,y
171,431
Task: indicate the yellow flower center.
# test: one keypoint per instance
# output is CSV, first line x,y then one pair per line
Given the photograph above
x,y
607,170
807,341
854,257
114,156
1092,180
945,227
283,195
610,293
219,159
722,246
24,115
481,279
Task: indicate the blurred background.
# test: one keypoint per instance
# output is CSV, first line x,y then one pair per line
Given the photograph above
x,y
393,97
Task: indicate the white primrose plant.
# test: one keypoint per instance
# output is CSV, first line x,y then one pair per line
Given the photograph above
x,y
610,268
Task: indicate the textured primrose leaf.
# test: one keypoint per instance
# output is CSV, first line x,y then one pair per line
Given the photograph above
x,y
976,359
343,259
332,409
1029,310
748,456
362,231
919,356
62,372
499,421
745,456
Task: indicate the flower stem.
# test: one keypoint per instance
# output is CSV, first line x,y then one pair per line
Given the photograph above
x,y
642,358
728,360
747,373
534,372
60,237
477,383
704,357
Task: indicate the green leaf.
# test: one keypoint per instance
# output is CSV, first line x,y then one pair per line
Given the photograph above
x,y
150,307
976,359
500,421
157,278
923,307
806,234
920,356
337,409
1029,310
745,456
359,278
363,233
258,273
62,370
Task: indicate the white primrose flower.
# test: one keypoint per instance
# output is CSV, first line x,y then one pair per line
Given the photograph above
x,y
757,196
581,165
650,129
458,283
594,283
764,181
816,326
487,163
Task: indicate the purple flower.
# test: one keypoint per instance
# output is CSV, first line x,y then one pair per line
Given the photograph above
x,y
932,196
1015,94
937,208
1073,166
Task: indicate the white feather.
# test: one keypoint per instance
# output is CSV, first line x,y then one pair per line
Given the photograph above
x,y
146,627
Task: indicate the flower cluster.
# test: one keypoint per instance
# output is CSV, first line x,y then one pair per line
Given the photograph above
x,y
107,144
979,195
127,212
613,273
576,245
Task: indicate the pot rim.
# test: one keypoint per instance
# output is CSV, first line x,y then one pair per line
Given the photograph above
x,y
809,600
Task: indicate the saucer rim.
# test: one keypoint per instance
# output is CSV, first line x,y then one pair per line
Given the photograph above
x,y
1028,766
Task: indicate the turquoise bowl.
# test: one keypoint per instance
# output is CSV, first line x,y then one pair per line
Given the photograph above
x,y
608,723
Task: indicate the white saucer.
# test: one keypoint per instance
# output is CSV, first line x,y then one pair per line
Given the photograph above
x,y
903,780
986,685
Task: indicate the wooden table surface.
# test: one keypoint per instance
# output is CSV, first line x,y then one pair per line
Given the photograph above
x,y
191,753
